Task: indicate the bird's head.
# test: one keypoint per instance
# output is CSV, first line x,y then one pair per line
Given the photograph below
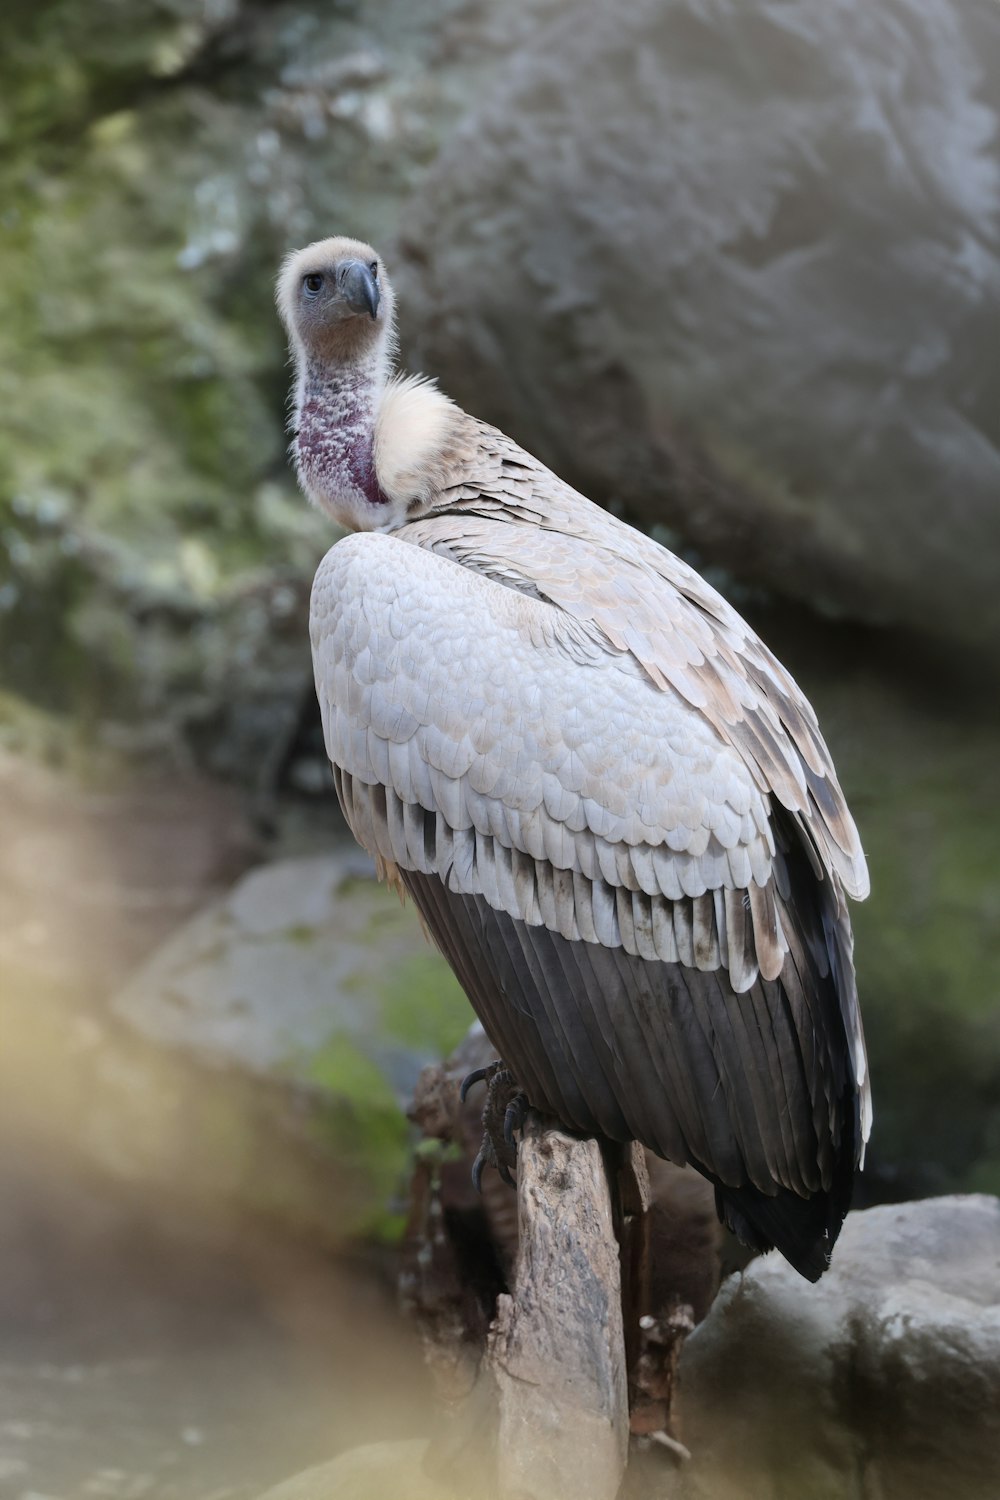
x,y
336,302
368,448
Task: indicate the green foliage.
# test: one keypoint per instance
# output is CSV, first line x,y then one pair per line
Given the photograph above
x,y
143,422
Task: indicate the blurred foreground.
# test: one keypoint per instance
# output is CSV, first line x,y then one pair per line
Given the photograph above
x,y
151,1353
170,1325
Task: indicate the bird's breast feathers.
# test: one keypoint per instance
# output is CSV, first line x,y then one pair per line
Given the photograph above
x,y
560,783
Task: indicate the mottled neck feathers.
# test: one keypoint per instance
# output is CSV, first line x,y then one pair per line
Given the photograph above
x,y
371,451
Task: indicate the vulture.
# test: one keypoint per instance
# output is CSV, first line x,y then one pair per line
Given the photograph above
x,y
610,803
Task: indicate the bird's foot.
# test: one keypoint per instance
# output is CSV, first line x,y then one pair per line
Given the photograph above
x,y
504,1112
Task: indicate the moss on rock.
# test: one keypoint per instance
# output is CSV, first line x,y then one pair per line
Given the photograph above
x,y
154,555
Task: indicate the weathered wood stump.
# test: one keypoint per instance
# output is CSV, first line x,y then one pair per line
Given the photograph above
x,y
557,1348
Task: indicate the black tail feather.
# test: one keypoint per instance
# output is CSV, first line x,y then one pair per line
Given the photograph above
x,y
804,1230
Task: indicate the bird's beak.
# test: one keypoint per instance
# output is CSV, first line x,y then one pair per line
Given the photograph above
x,y
359,288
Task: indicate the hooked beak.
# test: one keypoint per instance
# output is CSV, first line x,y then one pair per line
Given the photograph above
x,y
359,288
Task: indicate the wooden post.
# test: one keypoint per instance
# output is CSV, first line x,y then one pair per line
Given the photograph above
x,y
556,1350
533,1387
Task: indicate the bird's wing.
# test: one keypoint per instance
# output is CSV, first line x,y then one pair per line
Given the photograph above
x,y
599,863
567,787
641,600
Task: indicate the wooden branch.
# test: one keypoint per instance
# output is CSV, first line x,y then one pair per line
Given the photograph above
x,y
557,1350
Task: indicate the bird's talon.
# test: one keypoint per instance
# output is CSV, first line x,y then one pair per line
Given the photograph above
x,y
503,1113
508,1125
471,1079
514,1118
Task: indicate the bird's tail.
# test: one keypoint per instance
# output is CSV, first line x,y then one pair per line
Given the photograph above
x,y
805,1230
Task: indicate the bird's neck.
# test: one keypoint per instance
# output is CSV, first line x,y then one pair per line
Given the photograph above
x,y
334,445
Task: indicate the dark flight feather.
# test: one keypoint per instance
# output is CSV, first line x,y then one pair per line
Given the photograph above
x,y
753,1089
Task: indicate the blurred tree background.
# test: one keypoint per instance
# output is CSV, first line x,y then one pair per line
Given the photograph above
x,y
733,270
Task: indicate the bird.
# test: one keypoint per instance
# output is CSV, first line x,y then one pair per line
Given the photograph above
x,y
610,803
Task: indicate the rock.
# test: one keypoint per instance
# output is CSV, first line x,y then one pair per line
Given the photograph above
x,y
263,1055
94,871
744,282
375,1472
882,1379
317,981
301,958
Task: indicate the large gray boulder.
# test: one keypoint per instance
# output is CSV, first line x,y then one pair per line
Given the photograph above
x,y
884,1379
737,269
312,988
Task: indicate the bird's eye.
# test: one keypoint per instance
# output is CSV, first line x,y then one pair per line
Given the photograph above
x,y
312,284
373,268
